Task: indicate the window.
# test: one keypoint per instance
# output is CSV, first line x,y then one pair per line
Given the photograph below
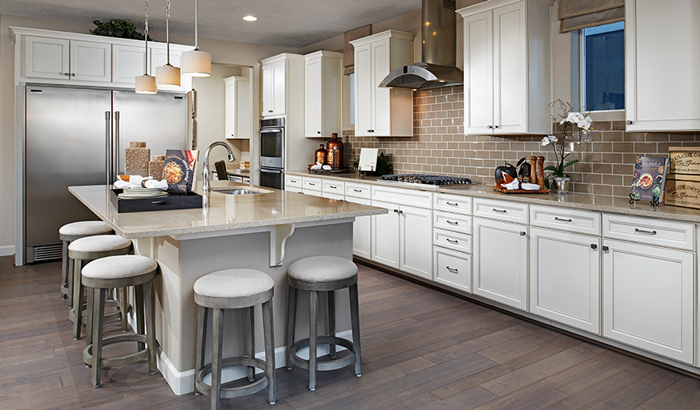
x,y
602,67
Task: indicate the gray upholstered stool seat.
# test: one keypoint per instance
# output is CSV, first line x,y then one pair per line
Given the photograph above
x,y
322,274
68,233
234,289
86,249
120,272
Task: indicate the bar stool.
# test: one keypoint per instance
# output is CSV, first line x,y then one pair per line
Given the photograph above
x,y
88,249
120,272
68,233
234,289
322,274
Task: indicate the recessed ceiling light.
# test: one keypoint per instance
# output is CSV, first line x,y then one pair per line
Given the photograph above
x,y
250,18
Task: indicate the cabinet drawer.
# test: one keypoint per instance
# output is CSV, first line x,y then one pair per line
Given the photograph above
x,y
311,192
292,181
314,184
453,240
452,222
565,219
650,231
411,197
337,197
501,210
453,203
334,187
358,190
453,268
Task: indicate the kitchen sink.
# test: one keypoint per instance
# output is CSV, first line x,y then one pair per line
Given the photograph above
x,y
236,191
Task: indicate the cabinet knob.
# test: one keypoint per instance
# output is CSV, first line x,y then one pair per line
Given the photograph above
x,y
605,249
629,122
496,126
318,132
489,126
594,246
72,74
523,233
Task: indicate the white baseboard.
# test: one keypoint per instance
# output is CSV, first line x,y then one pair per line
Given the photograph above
x,y
8,250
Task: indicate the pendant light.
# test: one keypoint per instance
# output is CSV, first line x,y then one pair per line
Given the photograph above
x,y
167,75
196,63
146,84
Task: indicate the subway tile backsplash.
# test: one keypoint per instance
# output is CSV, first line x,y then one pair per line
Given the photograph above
x,y
439,146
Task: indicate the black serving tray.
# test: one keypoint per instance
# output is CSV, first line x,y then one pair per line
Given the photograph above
x,y
189,200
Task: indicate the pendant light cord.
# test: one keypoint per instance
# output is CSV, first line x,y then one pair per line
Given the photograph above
x,y
167,29
145,59
196,19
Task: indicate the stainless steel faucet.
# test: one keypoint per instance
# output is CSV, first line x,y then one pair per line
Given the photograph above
x,y
206,188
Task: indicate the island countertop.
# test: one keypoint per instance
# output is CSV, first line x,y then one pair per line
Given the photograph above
x,y
220,212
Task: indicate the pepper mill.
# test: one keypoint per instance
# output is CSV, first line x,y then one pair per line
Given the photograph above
x,y
533,170
540,172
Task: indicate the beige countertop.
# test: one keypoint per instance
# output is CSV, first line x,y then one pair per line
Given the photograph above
x,y
220,212
571,200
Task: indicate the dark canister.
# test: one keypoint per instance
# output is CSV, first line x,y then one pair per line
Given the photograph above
x,y
321,155
335,152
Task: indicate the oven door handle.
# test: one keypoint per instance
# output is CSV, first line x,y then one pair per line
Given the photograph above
x,y
270,130
278,171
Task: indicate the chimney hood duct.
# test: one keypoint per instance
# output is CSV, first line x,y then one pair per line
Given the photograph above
x,y
439,64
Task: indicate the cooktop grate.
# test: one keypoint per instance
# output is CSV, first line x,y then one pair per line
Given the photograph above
x,y
427,179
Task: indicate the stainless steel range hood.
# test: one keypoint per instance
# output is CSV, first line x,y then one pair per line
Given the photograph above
x,y
439,66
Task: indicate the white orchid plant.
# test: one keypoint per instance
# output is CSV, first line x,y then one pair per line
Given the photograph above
x,y
567,121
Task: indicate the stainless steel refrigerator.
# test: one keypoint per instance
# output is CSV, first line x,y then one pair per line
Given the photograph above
x,y
77,136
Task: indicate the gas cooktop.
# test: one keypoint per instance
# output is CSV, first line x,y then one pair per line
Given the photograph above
x,y
433,180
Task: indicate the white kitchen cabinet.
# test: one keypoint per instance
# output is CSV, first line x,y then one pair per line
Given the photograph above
x,y
661,88
63,59
361,231
127,63
565,277
386,235
282,76
382,112
507,67
159,57
648,298
416,240
323,94
237,108
501,262
452,268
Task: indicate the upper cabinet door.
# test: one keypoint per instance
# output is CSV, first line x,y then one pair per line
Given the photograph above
x,y
364,106
127,63
230,108
91,61
267,93
314,98
510,74
381,67
662,91
478,73
279,91
47,57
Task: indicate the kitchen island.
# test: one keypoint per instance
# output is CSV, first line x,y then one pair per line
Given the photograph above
x,y
266,231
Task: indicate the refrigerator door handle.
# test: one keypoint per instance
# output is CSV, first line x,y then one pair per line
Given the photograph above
x,y
108,118
116,143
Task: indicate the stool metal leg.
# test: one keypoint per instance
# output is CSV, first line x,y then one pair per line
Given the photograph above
x,y
355,319
97,328
331,322
313,307
216,358
249,324
88,320
64,270
268,331
138,299
123,311
71,275
151,325
291,319
201,344
78,298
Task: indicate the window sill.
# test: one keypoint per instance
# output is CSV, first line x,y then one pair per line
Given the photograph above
x,y
611,115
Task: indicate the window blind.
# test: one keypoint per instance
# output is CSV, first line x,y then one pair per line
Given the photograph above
x,y
577,14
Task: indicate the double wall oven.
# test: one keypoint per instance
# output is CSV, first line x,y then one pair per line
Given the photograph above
x,y
272,153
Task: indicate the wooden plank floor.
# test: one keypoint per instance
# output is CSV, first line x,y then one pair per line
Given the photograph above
x,y
422,350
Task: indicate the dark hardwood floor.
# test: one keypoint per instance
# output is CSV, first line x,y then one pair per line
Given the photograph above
x,y
422,349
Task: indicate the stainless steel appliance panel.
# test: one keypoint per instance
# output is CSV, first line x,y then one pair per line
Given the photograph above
x,y
272,178
160,120
67,142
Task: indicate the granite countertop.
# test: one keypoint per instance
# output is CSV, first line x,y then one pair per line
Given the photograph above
x,y
220,212
589,202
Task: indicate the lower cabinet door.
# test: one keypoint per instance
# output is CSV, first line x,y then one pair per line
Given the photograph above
x,y
416,241
385,235
361,231
500,262
648,298
452,268
565,278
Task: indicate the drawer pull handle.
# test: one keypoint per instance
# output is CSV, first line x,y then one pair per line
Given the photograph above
x,y
357,190
452,203
645,232
453,270
452,241
333,186
594,246
503,211
556,218
312,183
293,181
452,222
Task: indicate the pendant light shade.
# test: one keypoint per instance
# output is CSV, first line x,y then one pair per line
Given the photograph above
x,y
145,84
167,75
196,63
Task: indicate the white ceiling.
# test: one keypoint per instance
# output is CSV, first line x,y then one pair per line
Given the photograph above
x,y
292,23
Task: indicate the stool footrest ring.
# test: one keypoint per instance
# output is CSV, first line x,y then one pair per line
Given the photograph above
x,y
121,360
233,392
325,365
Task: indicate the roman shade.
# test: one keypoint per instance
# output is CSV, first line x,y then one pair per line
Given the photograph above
x,y
577,14
349,50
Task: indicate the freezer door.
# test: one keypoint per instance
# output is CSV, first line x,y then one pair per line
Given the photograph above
x,y
67,134
160,120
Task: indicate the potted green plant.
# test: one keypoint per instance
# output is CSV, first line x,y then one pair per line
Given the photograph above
x,y
117,28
